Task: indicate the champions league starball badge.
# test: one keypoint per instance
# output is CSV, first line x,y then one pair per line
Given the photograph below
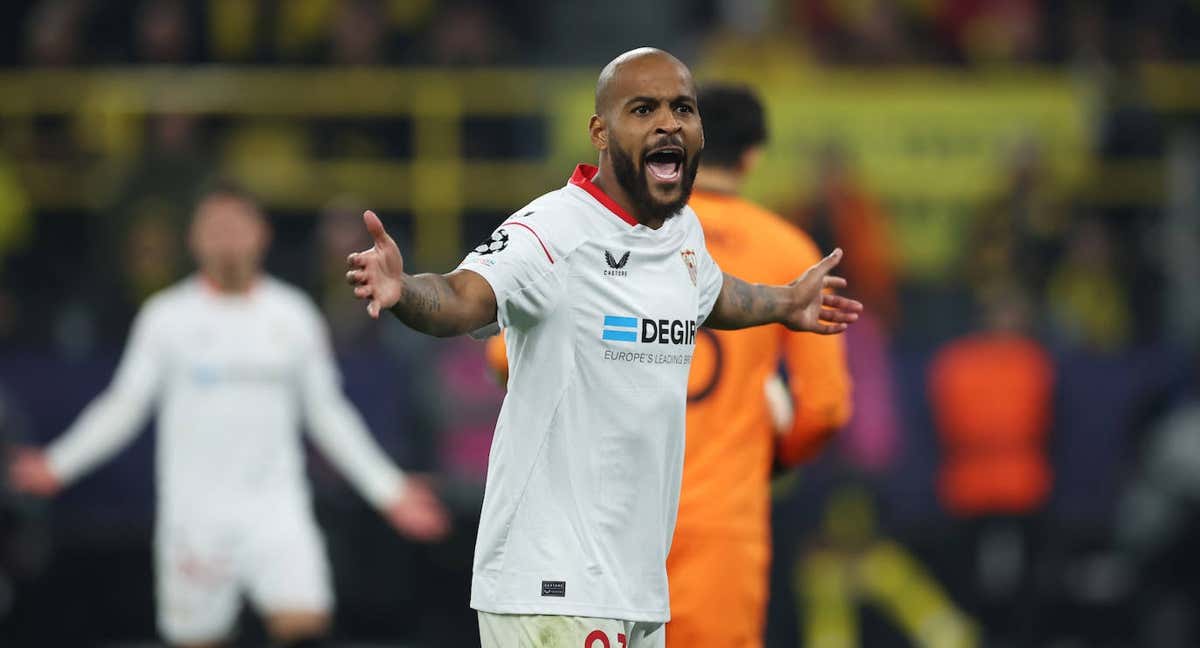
x,y
498,242
689,259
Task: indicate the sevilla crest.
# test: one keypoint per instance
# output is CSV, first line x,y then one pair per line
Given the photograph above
x,y
689,259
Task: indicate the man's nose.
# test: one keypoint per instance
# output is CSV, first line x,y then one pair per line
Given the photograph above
x,y
668,125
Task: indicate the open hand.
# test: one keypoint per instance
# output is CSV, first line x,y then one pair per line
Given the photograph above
x,y
814,309
418,513
30,472
377,274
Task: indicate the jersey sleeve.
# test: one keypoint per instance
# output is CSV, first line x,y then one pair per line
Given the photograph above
x,y
819,379
518,262
111,421
333,423
709,279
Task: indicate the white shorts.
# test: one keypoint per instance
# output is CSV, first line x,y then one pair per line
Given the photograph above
x,y
546,631
204,569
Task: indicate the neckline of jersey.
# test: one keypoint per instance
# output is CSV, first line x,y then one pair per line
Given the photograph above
x,y
582,178
210,288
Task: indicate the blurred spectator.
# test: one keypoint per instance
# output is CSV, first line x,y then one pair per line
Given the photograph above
x,y
851,563
1016,237
1131,143
54,38
991,31
151,255
358,33
236,30
1086,295
54,31
165,32
871,31
469,33
844,214
1088,56
991,394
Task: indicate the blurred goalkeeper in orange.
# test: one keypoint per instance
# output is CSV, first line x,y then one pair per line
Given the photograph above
x,y
742,419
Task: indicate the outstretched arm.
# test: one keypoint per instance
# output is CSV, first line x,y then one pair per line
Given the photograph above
x,y
108,424
408,502
802,305
440,305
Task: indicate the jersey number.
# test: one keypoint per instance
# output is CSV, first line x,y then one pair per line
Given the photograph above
x,y
706,389
598,636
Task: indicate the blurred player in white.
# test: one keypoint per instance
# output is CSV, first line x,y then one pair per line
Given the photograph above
x,y
233,361
600,286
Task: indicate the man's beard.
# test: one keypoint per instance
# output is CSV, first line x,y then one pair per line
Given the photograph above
x,y
638,188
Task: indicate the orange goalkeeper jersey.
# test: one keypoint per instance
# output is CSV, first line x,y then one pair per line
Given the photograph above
x,y
720,557
731,439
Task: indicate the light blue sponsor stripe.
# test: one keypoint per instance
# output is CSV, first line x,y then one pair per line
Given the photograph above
x,y
620,336
620,322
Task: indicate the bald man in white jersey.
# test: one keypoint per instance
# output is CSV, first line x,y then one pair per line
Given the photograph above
x,y
600,285
233,361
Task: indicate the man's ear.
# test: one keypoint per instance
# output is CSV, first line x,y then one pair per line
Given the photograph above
x,y
598,131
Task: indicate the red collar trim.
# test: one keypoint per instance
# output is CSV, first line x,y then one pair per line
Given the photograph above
x,y
582,178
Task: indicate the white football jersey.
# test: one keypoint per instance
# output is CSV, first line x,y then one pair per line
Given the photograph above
x,y
584,472
232,377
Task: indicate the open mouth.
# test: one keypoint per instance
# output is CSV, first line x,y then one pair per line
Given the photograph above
x,y
665,164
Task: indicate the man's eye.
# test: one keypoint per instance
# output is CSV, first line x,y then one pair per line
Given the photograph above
x,y
684,108
642,110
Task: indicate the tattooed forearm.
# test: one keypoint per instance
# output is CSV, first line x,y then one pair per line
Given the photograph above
x,y
420,298
748,298
446,305
420,304
742,304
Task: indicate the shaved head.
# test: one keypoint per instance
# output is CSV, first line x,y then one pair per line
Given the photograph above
x,y
647,130
629,63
